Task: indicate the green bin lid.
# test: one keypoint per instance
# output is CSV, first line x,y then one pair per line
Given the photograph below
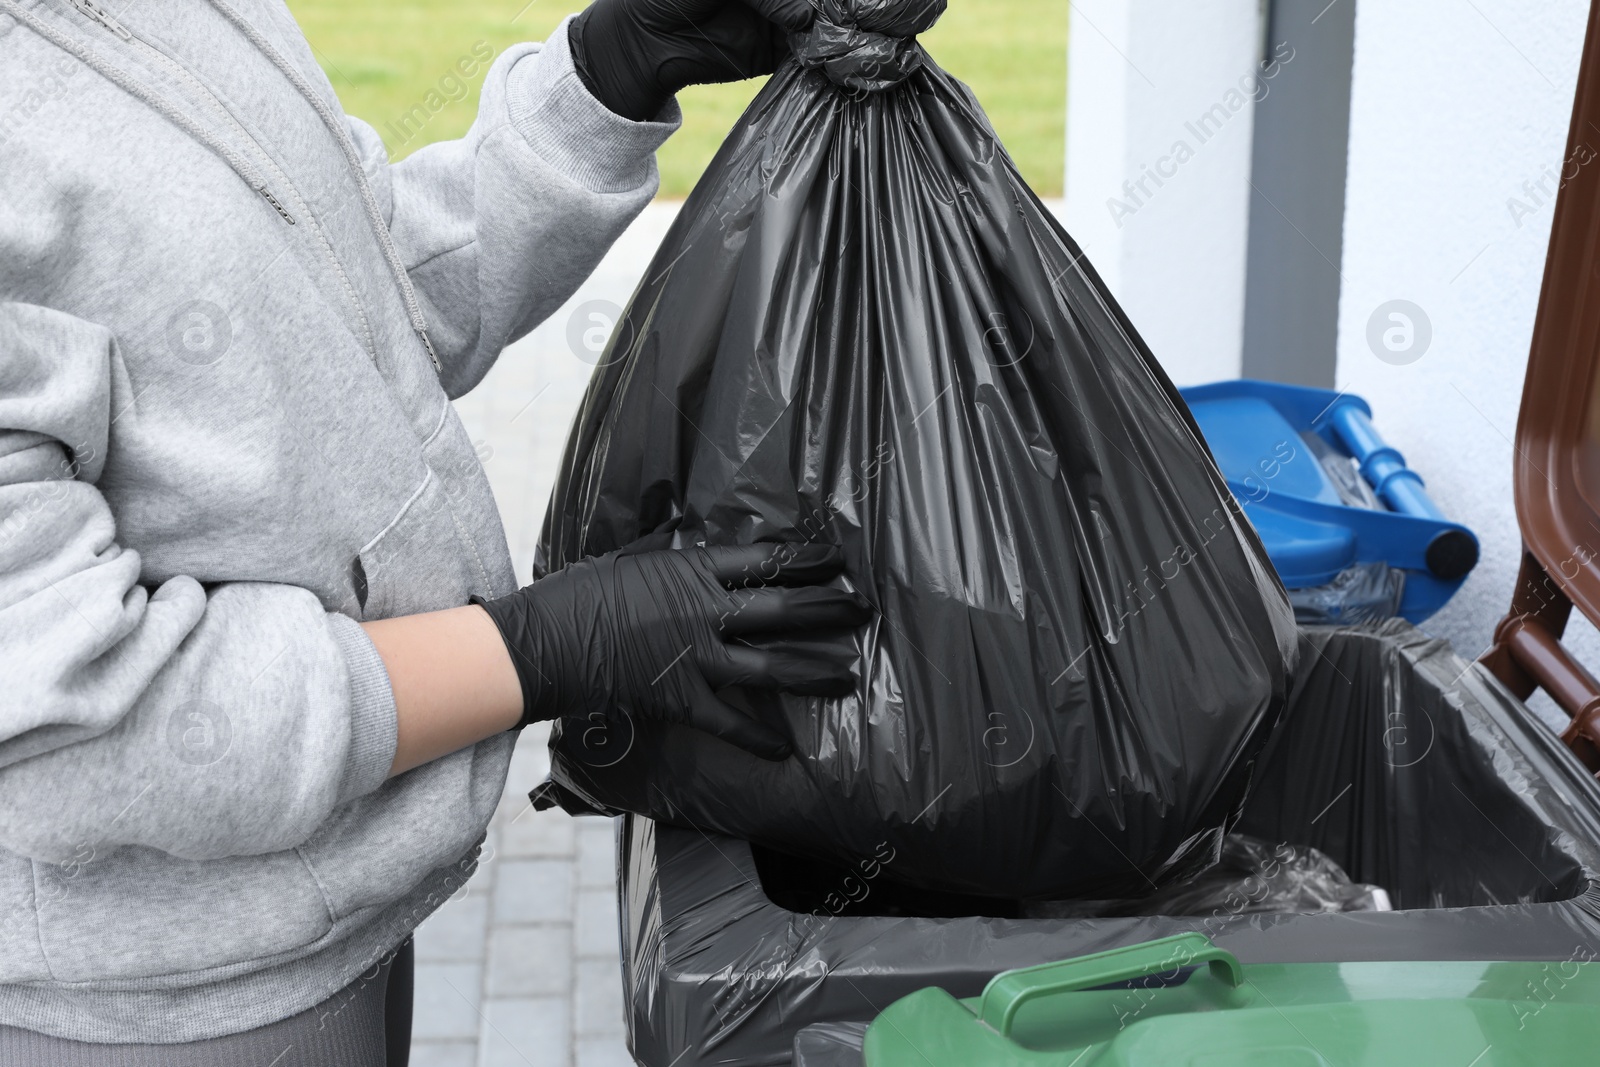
x,y
1183,1002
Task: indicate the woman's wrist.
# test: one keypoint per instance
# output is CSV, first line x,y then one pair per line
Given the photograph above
x,y
452,678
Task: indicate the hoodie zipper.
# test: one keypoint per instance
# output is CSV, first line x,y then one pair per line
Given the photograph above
x,y
336,127
103,17
241,166
207,96
109,21
99,15
209,102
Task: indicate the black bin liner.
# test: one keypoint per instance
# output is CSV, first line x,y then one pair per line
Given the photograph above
x,y
1410,768
864,329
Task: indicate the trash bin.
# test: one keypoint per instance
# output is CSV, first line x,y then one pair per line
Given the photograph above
x,y
1182,1000
1413,769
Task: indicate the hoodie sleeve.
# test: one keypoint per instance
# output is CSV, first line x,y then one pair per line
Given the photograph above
x,y
498,228
201,721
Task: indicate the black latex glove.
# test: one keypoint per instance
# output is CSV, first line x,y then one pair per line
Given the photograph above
x,y
634,54
651,634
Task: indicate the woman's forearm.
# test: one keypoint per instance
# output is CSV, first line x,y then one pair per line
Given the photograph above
x,y
452,679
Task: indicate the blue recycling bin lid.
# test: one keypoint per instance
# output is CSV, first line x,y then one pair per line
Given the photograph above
x,y
1276,444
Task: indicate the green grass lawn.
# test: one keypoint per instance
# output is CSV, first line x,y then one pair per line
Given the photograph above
x,y
386,57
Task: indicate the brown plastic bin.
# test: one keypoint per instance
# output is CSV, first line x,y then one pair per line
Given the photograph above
x,y
1557,473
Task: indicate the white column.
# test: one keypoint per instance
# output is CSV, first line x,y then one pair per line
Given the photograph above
x,y
1458,128
1159,121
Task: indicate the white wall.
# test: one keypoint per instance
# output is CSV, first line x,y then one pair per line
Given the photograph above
x,y
1452,111
1141,74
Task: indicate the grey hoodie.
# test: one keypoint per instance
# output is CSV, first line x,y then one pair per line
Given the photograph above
x,y
223,441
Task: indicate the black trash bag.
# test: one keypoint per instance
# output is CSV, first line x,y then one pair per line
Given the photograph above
x,y
864,329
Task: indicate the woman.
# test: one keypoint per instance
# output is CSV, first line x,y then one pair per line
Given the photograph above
x,y
260,643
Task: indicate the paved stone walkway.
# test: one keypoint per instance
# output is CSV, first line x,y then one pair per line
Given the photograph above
x,y
522,968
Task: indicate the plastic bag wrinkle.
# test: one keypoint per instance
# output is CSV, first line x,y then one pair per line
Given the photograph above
x,y
901,353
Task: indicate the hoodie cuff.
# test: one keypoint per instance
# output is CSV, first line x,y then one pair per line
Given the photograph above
x,y
373,725
575,133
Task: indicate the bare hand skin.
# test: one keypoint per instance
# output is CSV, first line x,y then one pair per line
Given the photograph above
x,y
452,679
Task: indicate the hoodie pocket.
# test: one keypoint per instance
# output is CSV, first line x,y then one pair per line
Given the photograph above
x,y
379,847
374,849
416,563
140,913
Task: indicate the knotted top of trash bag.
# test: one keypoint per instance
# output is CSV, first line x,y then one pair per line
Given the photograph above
x,y
867,45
